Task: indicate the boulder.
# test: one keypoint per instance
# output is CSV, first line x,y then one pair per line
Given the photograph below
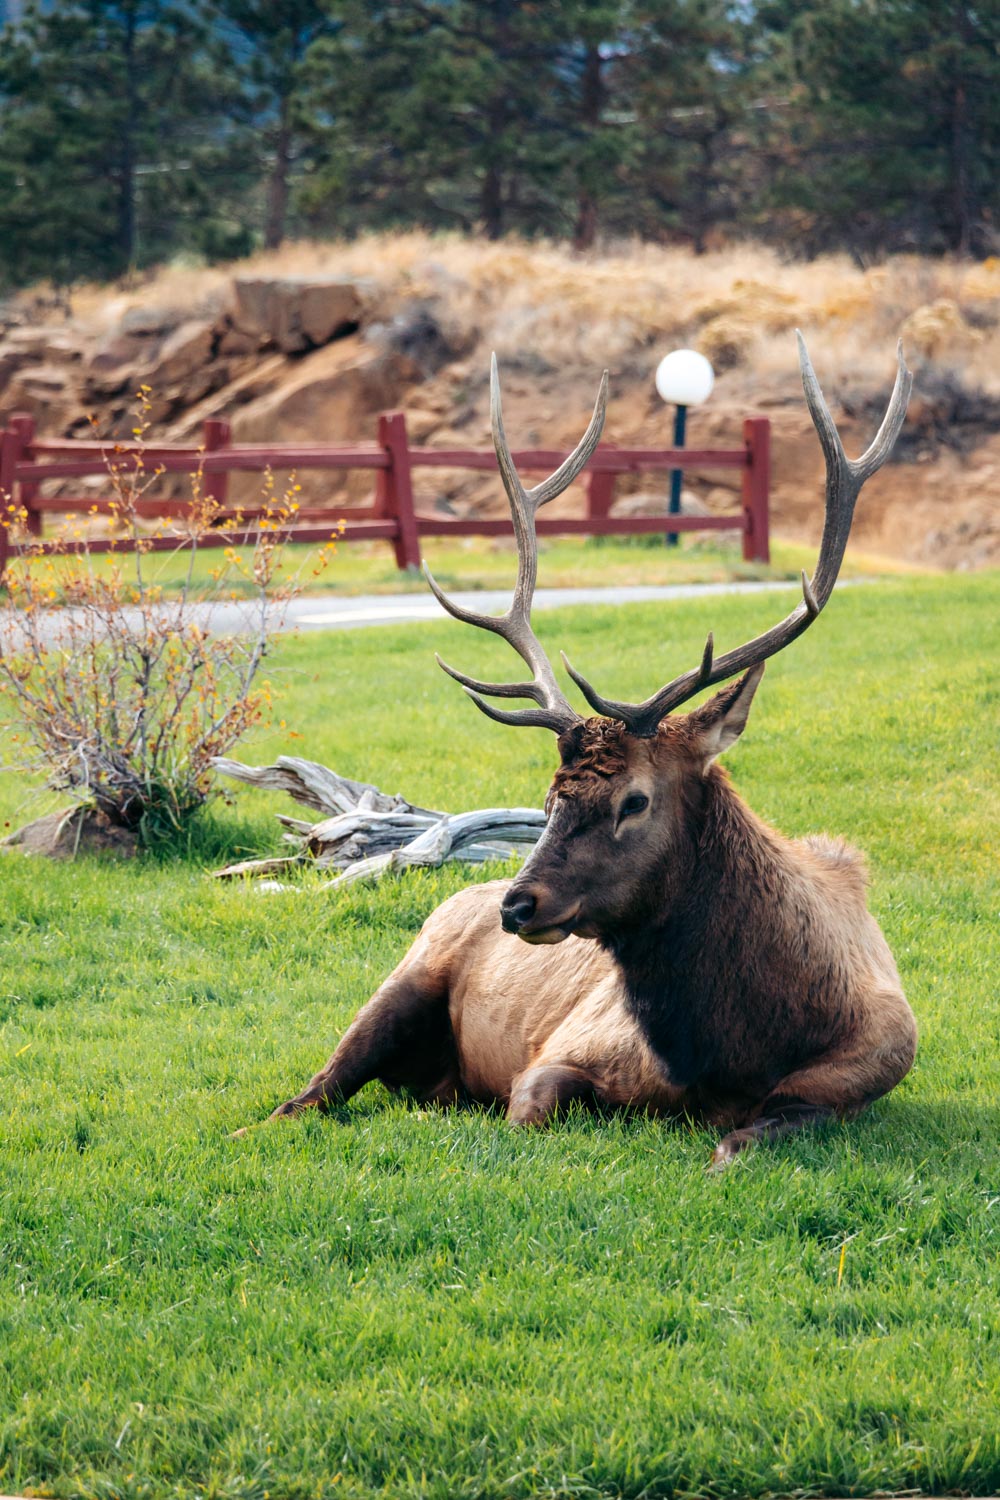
x,y
150,322
296,312
62,349
236,344
124,360
330,396
11,360
650,503
184,353
126,355
46,392
41,343
117,362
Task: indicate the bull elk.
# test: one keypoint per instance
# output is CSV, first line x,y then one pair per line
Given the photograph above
x,y
662,948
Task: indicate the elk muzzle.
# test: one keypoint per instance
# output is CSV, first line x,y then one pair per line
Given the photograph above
x,y
523,912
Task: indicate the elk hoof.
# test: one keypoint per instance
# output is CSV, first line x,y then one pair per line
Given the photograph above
x,y
244,1130
729,1148
288,1110
298,1106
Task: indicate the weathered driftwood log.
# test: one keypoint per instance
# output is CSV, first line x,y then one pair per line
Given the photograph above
x,y
315,786
366,832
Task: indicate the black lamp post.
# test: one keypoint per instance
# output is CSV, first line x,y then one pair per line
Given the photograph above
x,y
684,378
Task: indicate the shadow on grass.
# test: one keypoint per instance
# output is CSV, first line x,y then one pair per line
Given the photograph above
x,y
954,1135
209,839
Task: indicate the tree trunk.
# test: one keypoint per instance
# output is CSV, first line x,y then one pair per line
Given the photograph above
x,y
701,208
585,229
126,192
961,205
491,197
491,203
277,187
591,102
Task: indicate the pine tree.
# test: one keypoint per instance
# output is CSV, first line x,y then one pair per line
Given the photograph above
x,y
895,139
591,116
132,129
113,139
442,113
689,75
270,45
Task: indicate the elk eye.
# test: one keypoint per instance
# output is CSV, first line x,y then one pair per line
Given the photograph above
x,y
635,803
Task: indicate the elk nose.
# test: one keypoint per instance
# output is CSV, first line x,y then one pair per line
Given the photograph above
x,y
515,909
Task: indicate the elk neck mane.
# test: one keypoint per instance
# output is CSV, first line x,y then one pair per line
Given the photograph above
x,y
738,902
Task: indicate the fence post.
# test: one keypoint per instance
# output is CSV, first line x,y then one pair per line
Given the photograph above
x,y
10,447
600,491
756,487
394,495
216,435
24,425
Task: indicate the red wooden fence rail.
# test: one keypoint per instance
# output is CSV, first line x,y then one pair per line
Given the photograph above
x,y
26,463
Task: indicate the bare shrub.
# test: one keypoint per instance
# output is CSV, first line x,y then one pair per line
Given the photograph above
x,y
119,689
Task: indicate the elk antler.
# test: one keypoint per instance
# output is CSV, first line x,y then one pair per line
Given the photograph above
x,y
844,479
554,710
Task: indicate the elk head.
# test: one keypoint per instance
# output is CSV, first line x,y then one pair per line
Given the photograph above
x,y
623,806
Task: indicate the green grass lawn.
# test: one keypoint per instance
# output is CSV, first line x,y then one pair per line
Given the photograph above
x,y
485,563
407,1302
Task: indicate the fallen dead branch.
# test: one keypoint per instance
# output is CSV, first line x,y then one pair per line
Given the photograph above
x,y
365,832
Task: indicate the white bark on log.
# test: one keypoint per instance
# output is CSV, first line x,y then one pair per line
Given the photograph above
x,y
314,785
365,832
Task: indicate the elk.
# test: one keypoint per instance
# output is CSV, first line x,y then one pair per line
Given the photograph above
x,y
662,948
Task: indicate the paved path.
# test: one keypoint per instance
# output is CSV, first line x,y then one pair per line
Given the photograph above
x,y
344,612
341,612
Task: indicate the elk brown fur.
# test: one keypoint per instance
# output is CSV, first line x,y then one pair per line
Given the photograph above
x,y
662,948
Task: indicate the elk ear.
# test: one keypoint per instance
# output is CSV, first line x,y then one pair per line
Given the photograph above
x,y
719,723
569,743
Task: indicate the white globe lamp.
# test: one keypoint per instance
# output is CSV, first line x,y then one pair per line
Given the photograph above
x,y
684,378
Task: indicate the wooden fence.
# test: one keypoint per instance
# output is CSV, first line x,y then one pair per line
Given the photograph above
x,y
27,462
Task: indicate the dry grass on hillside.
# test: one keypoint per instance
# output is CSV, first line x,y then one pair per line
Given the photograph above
x,y
541,302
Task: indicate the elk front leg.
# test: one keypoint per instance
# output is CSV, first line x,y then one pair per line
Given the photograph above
x,y
402,1036
839,1085
788,1116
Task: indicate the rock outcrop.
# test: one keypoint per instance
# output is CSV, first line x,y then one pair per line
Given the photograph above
x,y
315,357
295,313
63,374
